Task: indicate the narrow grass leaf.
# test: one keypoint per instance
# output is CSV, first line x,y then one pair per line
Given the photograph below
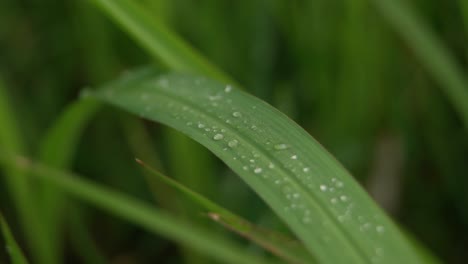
x,y
437,59
319,200
137,212
11,143
278,244
57,149
15,252
157,39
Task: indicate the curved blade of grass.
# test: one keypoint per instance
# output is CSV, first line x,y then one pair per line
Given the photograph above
x,y
15,252
57,149
278,244
157,38
138,213
430,51
297,178
19,187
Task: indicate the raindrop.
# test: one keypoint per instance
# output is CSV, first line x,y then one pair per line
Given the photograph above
x,y
233,143
144,96
281,146
306,169
218,137
214,97
258,170
236,114
379,251
163,83
343,198
228,88
323,187
380,229
271,165
294,157
200,125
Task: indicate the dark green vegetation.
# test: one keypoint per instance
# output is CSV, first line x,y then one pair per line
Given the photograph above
x,y
380,84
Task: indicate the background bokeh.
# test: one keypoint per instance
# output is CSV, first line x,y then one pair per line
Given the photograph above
x,y
335,67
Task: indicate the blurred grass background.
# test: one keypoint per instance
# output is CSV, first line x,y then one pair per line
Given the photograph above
x,y
338,68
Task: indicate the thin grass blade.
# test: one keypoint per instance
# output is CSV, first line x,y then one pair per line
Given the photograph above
x,y
437,59
287,248
15,252
157,39
137,212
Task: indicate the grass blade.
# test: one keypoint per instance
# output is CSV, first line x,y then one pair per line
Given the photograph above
x,y
136,212
157,38
278,244
16,255
12,143
430,51
297,178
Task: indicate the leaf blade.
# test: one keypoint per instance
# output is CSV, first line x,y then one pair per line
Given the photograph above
x,y
15,252
280,245
137,212
277,158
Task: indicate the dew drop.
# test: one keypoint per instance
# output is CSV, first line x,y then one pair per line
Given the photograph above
x,y
334,200
236,114
323,187
218,137
380,229
233,143
200,125
214,97
306,169
144,97
294,157
271,165
343,198
228,88
281,146
257,170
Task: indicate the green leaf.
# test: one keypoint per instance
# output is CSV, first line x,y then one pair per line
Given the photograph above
x,y
137,212
278,244
435,57
16,255
319,200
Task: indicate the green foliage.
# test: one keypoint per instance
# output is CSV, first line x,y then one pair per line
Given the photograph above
x,y
16,255
295,176
380,84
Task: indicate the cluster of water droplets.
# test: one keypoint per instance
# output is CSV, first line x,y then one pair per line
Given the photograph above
x,y
267,168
